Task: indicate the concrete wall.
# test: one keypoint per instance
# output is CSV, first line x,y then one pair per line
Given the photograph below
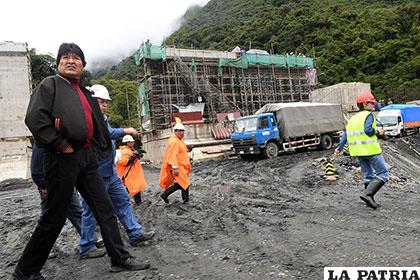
x,y
154,142
343,93
15,158
15,88
171,52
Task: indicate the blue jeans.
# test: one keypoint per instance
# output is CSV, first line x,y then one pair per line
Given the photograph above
x,y
374,167
74,213
122,208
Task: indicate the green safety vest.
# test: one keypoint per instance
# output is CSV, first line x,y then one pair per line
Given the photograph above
x,y
361,144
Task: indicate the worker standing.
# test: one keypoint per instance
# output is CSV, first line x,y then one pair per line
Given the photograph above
x,y
176,166
130,170
361,135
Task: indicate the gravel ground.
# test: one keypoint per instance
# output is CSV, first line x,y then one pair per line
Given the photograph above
x,y
260,219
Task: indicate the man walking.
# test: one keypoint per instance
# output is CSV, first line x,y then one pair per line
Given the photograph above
x,y
361,135
67,122
176,166
115,189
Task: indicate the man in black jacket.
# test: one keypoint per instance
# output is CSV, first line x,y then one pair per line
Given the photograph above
x,y
67,122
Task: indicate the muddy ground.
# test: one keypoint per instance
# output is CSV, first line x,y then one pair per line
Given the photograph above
x,y
266,219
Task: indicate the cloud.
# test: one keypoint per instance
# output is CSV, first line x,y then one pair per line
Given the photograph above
x,y
105,30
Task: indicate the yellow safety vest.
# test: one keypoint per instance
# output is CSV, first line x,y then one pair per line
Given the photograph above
x,y
361,144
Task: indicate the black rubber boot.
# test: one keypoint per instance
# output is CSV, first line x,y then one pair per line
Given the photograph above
x,y
137,198
374,186
185,195
168,192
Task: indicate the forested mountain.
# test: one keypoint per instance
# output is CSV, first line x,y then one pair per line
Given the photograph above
x,y
374,41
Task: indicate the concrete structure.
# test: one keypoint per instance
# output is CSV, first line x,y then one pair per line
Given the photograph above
x,y
343,93
15,88
198,135
221,82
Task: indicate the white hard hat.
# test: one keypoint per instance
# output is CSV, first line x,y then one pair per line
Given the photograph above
x,y
127,138
99,91
179,126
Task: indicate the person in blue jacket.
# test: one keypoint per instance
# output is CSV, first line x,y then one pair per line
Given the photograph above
x,y
117,192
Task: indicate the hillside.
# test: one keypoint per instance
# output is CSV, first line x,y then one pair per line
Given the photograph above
x,y
366,41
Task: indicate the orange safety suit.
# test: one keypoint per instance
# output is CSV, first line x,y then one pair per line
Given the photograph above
x,y
134,180
176,155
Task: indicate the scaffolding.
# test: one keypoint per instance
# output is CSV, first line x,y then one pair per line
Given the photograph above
x,y
180,77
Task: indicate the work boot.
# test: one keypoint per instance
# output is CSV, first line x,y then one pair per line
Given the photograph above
x,y
137,198
185,195
374,186
17,275
144,237
168,192
130,264
92,254
368,199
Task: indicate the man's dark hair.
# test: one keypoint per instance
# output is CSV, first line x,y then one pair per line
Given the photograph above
x,y
70,48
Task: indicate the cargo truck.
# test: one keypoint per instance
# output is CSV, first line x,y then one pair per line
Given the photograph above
x,y
287,127
399,119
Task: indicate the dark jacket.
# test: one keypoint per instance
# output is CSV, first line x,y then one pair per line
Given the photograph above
x,y
37,166
55,117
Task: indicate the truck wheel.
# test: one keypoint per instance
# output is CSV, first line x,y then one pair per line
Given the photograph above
x,y
271,150
326,142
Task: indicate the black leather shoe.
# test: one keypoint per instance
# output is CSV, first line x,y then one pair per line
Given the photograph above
x,y
130,264
164,197
144,237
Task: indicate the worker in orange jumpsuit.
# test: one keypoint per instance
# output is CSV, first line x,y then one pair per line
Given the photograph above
x,y
130,170
176,166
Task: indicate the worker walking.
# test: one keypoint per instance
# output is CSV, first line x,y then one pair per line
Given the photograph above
x,y
114,188
361,135
130,170
176,166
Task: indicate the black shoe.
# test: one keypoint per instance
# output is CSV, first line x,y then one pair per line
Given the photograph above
x,y
144,237
137,198
185,195
19,276
164,197
129,264
97,253
369,201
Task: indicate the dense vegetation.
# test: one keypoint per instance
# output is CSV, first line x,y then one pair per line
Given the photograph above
x,y
374,41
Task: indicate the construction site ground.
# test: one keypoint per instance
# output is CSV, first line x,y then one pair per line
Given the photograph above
x,y
261,219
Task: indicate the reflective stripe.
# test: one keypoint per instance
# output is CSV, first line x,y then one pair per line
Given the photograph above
x,y
363,142
352,134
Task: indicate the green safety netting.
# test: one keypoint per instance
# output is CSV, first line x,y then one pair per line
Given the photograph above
x,y
246,60
150,52
144,102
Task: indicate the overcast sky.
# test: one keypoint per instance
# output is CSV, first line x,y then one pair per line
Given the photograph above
x,y
102,29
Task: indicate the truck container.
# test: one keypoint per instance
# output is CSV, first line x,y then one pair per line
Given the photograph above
x,y
400,119
287,127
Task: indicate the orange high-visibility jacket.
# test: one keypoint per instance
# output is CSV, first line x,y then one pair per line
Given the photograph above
x,y
176,154
134,181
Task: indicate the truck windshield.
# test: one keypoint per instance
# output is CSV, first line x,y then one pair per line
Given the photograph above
x,y
246,125
388,120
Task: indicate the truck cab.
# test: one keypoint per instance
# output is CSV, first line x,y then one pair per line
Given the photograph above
x,y
252,135
391,122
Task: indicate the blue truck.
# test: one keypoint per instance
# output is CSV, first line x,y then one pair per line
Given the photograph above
x,y
287,127
400,119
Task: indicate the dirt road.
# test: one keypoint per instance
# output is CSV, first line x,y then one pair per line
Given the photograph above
x,y
267,219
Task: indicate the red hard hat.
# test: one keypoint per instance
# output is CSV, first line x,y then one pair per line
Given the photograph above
x,y
365,97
